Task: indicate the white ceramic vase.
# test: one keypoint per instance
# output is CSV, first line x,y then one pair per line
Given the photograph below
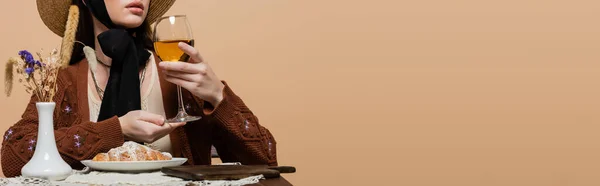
x,y
46,162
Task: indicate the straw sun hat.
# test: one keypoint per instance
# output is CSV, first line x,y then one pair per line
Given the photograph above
x,y
62,18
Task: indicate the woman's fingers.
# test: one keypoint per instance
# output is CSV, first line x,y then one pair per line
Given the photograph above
x,y
175,125
188,85
152,132
182,67
151,118
184,76
192,52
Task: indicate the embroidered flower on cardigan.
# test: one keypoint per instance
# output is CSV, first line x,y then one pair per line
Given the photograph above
x,y
247,125
31,145
78,140
68,109
270,146
8,134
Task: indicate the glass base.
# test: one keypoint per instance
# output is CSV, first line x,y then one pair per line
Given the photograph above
x,y
183,117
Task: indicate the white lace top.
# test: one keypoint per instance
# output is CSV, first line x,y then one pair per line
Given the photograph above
x,y
151,101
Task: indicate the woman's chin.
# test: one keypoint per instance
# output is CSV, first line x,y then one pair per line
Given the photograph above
x,y
131,21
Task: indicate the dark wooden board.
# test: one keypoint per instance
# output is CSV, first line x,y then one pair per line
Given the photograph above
x,y
225,172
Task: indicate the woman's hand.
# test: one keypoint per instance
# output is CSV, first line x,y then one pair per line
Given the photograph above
x,y
144,126
195,76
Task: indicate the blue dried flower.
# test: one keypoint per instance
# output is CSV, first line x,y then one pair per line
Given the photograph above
x,y
29,70
39,64
29,60
23,53
27,56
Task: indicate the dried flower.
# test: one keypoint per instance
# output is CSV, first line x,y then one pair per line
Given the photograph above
x,y
38,76
29,70
25,55
8,76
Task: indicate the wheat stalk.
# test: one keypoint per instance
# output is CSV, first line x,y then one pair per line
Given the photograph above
x,y
53,89
8,75
69,36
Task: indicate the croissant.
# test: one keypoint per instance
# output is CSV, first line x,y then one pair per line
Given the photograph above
x,y
132,151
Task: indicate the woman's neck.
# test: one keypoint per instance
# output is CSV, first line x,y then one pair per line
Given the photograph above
x,y
98,29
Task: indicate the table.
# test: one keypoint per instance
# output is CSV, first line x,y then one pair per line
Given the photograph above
x,y
102,177
265,182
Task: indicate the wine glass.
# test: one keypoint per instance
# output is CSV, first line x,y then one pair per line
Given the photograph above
x,y
168,32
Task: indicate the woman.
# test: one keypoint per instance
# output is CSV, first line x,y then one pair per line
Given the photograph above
x,y
127,95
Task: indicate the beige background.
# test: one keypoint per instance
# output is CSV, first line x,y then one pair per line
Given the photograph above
x,y
430,92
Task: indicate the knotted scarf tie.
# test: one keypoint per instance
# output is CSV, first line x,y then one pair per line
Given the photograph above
x,y
122,93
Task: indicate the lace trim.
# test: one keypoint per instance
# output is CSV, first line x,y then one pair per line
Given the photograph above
x,y
88,177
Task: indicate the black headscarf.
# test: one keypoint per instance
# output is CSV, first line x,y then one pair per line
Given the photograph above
x,y
122,93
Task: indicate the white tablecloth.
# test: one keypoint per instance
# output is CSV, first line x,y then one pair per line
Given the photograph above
x,y
87,177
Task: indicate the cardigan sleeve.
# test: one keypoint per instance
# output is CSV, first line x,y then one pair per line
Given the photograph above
x,y
76,140
238,136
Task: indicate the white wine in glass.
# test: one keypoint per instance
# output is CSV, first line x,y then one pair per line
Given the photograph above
x,y
169,31
169,50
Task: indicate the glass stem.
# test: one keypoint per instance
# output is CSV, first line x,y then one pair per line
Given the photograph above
x,y
180,102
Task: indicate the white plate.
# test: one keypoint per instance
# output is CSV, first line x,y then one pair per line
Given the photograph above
x,y
132,166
